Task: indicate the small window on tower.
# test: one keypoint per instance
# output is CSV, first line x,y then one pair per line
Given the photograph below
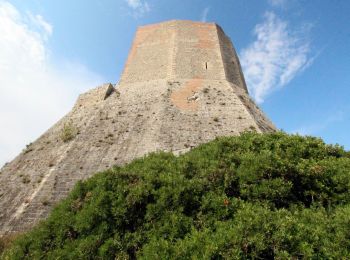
x,y
206,65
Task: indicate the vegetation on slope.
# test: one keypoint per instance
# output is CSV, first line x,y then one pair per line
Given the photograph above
x,y
253,196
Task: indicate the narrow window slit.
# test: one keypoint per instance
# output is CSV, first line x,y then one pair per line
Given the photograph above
x,y
206,65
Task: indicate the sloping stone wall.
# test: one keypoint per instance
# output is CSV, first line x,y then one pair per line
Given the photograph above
x,y
187,93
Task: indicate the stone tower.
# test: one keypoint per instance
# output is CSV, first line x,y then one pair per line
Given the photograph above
x,y
182,86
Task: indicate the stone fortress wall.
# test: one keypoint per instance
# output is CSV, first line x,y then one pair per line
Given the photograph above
x,y
182,86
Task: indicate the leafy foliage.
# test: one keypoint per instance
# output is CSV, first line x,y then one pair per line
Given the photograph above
x,y
253,196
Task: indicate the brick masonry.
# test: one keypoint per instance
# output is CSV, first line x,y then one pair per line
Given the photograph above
x,y
182,85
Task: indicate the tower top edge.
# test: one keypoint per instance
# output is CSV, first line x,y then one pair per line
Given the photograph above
x,y
178,22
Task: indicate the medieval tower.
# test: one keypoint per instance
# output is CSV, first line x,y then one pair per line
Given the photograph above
x,y
182,85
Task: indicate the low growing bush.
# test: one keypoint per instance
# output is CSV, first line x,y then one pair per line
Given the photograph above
x,y
68,132
256,196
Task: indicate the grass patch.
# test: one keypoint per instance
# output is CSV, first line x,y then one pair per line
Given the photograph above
x,y
68,132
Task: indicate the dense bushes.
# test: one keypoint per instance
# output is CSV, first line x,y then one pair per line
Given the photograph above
x,y
253,196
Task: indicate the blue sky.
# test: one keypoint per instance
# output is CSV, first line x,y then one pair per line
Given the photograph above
x,y
295,56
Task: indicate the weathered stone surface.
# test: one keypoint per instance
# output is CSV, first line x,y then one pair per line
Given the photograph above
x,y
182,86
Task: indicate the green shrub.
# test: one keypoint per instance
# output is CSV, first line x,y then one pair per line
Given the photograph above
x,y
249,197
25,179
68,132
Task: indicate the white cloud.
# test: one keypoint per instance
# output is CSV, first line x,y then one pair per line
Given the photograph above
x,y
277,3
316,127
204,14
134,3
34,92
276,56
40,22
139,7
